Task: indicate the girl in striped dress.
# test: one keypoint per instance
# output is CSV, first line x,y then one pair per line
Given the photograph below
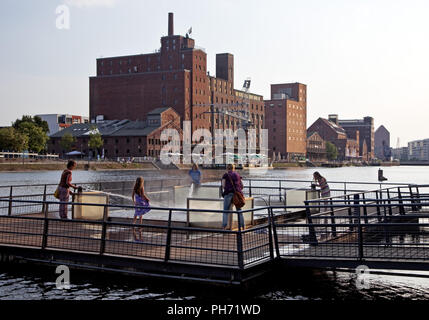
x,y
325,192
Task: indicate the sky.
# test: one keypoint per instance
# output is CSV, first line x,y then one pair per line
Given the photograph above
x,y
357,58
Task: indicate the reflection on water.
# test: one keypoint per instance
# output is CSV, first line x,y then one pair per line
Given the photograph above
x,y
17,284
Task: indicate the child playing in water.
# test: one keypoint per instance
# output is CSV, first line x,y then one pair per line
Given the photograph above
x,y
140,200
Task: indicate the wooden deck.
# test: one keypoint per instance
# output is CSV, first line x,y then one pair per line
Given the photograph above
x,y
140,242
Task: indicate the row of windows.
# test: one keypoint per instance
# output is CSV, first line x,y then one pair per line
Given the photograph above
x,y
127,61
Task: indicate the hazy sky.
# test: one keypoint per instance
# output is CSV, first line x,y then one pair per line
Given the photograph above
x,y
358,58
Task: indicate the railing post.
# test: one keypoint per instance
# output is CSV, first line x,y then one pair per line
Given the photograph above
x,y
311,230
378,208
356,209
365,209
280,190
413,207
360,236
168,241
103,231
240,256
45,227
270,234
44,199
389,202
350,213
250,187
9,211
333,228
401,207
418,198
276,239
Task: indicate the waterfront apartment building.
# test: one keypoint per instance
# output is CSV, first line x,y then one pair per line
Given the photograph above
x,y
286,120
121,138
176,75
57,122
382,143
365,127
401,154
419,150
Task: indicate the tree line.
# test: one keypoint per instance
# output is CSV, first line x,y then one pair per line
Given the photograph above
x,y
26,134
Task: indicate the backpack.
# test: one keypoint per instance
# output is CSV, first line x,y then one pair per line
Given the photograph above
x,y
238,198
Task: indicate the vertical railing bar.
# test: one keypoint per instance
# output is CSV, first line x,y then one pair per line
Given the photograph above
x,y
401,207
311,230
9,212
276,239
104,231
413,208
360,237
168,240
270,234
240,256
365,209
389,202
44,199
333,228
45,227
378,208
350,213
250,187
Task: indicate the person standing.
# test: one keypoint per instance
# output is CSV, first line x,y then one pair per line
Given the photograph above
x,y
140,200
64,188
195,175
325,192
231,181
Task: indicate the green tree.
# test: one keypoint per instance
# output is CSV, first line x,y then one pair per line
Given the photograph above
x,y
331,151
95,141
67,141
13,140
35,129
37,138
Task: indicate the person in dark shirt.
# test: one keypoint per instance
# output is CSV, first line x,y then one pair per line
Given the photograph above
x,y
228,192
64,187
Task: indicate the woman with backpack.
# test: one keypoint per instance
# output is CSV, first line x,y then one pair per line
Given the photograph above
x,y
232,187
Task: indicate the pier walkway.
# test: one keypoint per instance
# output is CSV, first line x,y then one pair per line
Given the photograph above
x,y
383,229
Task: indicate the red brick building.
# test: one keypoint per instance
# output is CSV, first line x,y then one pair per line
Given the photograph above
x,y
121,138
316,147
365,127
128,87
286,120
329,130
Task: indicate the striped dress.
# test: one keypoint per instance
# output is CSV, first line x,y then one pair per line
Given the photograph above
x,y
324,188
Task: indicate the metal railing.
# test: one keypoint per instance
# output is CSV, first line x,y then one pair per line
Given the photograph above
x,y
387,224
235,248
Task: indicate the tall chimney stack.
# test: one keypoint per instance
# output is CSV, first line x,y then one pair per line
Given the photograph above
x,y
170,24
